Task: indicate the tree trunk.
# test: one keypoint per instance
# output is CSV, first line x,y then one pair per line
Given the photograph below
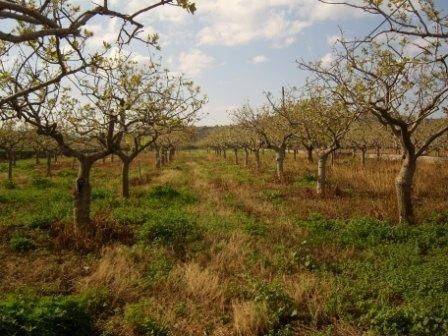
x,y
158,159
246,157
322,174
295,154
279,160
125,177
378,153
14,158
48,166
37,157
309,154
363,156
224,153
112,158
173,153
83,192
257,159
235,150
163,157
403,183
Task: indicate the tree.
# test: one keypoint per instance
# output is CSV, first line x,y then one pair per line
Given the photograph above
x,y
400,90
306,135
41,145
273,124
327,120
83,130
366,134
52,35
11,139
150,101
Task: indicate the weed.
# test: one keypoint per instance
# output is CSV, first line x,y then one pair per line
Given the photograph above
x,y
171,227
20,243
52,316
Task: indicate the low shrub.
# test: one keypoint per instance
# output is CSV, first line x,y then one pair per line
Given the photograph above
x,y
171,227
50,316
39,182
167,195
20,243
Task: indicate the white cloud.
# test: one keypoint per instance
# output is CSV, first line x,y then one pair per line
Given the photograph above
x,y
327,59
237,22
332,40
258,59
194,62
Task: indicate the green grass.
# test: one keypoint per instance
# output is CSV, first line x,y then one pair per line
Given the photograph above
x,y
395,283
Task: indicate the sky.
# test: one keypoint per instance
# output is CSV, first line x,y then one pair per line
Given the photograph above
x,y
238,49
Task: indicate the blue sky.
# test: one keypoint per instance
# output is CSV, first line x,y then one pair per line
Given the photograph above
x,y
237,49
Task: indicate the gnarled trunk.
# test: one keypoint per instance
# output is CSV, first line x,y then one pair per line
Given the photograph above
x,y
83,191
125,177
309,154
279,163
403,183
322,174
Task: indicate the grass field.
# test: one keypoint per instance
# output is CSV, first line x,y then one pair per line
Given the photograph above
x,y
206,247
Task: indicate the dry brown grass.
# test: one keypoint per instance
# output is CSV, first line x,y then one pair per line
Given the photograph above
x,y
250,318
203,284
117,271
354,190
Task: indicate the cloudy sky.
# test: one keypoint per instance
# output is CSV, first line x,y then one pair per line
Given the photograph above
x,y
237,49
